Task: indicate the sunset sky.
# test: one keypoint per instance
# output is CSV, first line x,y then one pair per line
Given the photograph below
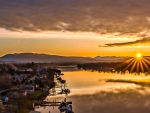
x,y
75,27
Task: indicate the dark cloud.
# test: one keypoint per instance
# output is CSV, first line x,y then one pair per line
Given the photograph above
x,y
143,42
117,101
99,16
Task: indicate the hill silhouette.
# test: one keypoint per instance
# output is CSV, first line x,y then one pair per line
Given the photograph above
x,y
42,58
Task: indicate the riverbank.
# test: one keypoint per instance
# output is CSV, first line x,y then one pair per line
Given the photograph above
x,y
23,97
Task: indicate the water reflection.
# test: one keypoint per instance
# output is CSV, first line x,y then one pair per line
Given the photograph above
x,y
88,82
117,101
92,93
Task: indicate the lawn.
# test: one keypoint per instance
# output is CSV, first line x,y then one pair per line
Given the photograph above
x,y
24,111
35,95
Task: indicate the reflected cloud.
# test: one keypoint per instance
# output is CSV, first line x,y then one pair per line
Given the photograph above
x,y
141,82
117,101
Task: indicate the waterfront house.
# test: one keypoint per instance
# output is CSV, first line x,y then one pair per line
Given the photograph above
x,y
17,93
29,88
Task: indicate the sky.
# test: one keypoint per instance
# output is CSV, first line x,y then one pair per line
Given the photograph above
x,y
75,27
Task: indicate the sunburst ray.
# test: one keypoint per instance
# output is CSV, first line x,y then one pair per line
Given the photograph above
x,y
136,64
129,65
146,60
133,66
145,64
147,57
137,67
125,62
141,65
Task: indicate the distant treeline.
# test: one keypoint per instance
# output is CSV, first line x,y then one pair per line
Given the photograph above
x,y
122,67
99,65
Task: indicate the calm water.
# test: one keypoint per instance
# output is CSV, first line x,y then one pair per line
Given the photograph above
x,y
82,83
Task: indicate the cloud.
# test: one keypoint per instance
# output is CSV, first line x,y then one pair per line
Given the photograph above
x,y
141,42
117,101
99,16
137,82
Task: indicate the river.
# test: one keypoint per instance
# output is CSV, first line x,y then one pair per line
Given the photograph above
x,y
91,93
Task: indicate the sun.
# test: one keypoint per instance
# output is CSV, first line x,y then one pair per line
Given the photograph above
x,y
137,64
139,55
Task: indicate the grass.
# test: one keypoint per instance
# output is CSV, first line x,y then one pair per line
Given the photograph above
x,y
35,95
24,111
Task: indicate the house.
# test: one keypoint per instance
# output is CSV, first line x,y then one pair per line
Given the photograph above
x,y
20,78
29,88
40,69
17,93
17,79
25,70
5,81
29,70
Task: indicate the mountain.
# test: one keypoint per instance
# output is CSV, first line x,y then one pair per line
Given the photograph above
x,y
41,58
111,58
